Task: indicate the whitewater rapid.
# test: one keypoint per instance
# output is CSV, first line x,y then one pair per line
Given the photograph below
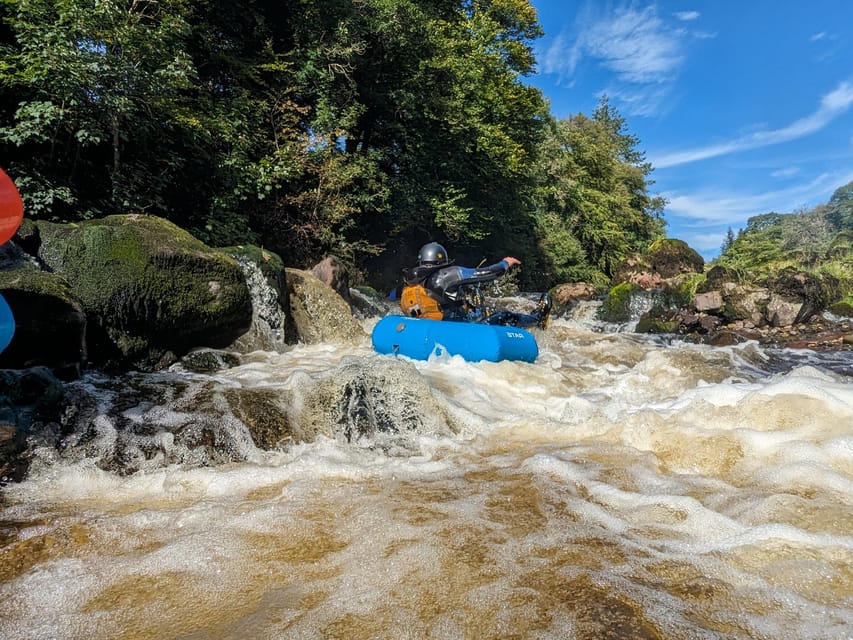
x,y
619,487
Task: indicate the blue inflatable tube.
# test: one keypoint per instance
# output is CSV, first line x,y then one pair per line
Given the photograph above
x,y
419,339
7,324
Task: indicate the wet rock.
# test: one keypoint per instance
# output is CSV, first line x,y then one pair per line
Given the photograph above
x,y
264,273
709,301
368,398
50,324
658,320
725,339
317,313
617,305
709,324
142,422
564,293
332,272
369,303
208,361
147,287
32,403
262,411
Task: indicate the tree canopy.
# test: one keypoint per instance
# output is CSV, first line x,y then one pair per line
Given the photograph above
x,y
362,128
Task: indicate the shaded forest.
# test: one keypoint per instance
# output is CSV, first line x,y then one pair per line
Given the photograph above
x,y
359,128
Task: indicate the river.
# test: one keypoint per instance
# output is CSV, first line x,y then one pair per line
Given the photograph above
x,y
621,486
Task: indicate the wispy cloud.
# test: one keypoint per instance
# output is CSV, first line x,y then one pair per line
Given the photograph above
x,y
787,172
832,105
635,45
702,218
640,51
687,16
707,242
713,208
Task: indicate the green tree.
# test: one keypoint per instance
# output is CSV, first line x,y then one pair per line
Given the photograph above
x,y
840,207
433,92
728,241
596,180
94,81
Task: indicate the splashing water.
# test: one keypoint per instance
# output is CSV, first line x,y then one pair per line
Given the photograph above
x,y
619,487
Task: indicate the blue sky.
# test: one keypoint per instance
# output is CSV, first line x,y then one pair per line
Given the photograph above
x,y
742,106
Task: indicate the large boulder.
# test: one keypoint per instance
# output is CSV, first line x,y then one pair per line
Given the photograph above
x,y
744,302
664,259
150,290
811,293
670,257
317,313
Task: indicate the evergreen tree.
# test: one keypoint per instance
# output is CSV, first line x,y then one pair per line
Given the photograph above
x,y
728,241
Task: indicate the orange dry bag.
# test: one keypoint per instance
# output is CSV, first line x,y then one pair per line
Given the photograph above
x,y
417,303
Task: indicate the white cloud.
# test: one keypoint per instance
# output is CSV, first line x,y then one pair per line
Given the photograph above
x,y
701,219
687,16
706,242
634,45
833,104
787,172
715,208
818,36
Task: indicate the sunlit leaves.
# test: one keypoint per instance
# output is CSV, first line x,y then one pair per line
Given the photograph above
x,y
93,78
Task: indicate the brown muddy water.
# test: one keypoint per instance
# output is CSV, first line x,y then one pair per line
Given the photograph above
x,y
619,487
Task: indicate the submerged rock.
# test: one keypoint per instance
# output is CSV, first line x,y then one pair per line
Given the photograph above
x,y
32,404
369,397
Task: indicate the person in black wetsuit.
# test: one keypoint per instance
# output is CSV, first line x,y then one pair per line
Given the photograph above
x,y
439,290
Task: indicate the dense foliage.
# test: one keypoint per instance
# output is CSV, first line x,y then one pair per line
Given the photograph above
x,y
820,239
361,128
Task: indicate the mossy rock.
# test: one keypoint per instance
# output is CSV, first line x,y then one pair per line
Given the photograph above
x,y
680,290
670,257
715,277
842,308
657,321
617,304
150,290
50,324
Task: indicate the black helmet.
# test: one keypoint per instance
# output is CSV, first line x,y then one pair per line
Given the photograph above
x,y
433,254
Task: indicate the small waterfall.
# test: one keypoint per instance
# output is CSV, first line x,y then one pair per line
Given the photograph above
x,y
268,315
585,311
644,301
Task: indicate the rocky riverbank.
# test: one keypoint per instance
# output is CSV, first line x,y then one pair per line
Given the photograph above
x,y
819,333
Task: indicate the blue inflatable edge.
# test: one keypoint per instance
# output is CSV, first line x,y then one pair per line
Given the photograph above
x,y
7,324
420,339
